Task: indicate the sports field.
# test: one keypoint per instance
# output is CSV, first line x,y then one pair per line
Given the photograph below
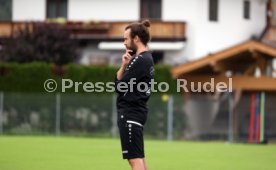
x,y
68,153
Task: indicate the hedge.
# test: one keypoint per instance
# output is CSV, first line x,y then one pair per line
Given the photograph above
x,y
30,77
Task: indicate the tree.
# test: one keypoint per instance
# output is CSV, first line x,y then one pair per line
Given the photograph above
x,y
44,42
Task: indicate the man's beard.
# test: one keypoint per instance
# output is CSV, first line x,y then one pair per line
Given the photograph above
x,y
133,47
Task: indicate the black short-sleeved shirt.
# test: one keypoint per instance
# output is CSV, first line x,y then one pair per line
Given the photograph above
x,y
134,102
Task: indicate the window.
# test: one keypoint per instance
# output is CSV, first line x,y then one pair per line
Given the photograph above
x,y
5,10
213,10
150,9
246,9
57,8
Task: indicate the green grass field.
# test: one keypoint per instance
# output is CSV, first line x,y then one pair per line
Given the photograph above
x,y
68,153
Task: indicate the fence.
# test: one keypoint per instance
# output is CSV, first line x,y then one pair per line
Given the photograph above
x,y
170,117
76,114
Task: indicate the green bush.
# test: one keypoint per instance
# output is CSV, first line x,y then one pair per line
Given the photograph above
x,y
30,77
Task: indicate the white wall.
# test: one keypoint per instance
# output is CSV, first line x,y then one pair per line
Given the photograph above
x,y
203,36
185,11
231,27
28,10
109,10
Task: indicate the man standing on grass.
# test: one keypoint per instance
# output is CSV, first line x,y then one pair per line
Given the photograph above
x,y
137,72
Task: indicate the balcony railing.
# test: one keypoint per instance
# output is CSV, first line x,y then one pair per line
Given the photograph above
x,y
160,30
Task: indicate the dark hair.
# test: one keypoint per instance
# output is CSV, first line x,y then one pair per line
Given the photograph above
x,y
141,30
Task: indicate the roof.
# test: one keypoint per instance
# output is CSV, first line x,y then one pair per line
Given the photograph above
x,y
229,55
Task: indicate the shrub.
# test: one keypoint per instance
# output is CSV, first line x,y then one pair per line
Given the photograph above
x,y
44,42
30,77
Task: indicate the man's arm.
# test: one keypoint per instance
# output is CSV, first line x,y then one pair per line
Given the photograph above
x,y
120,72
125,60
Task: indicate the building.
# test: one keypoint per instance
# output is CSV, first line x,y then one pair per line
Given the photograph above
x,y
248,108
182,30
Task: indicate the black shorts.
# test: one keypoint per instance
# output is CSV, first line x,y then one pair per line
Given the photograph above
x,y
132,141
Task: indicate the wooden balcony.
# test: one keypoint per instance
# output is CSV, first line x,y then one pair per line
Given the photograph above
x,y
108,31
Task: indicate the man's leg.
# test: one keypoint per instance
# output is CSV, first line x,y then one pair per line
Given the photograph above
x,y
137,164
135,145
145,165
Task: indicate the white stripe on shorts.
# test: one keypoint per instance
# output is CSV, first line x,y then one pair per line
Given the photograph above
x,y
133,122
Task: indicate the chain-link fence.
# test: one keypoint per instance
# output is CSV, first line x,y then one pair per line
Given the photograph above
x,y
170,117
77,114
